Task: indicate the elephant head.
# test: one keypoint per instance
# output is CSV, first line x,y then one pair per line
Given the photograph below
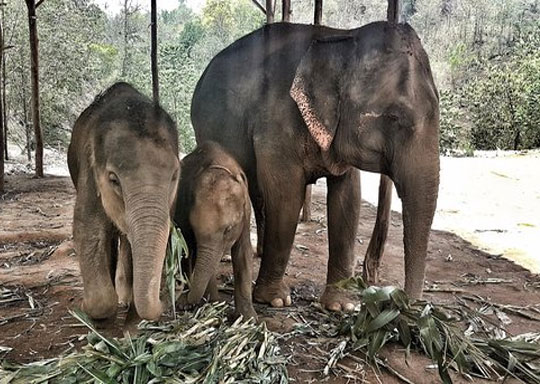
x,y
136,171
369,101
219,214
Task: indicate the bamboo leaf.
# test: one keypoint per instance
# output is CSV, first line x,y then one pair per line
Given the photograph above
x,y
382,319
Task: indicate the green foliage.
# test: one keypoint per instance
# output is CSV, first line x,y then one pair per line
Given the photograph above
x,y
89,50
196,348
484,56
387,315
451,134
502,102
177,250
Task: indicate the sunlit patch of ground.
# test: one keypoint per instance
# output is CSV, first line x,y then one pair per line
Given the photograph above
x,y
492,200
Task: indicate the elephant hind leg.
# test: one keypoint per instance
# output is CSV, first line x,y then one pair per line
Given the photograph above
x,y
242,264
377,242
306,208
258,209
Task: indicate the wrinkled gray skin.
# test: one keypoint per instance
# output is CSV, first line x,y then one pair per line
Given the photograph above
x,y
123,160
293,103
213,211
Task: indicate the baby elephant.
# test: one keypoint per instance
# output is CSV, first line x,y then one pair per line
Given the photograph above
x,y
213,212
123,160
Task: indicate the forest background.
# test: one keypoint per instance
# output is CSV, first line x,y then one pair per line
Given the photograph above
x,y
484,55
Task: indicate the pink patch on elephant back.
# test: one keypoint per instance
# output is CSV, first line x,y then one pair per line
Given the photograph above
x,y
318,131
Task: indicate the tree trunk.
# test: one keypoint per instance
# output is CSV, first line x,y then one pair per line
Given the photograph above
x,y
317,17
34,69
269,11
3,101
286,10
155,78
25,113
4,105
1,114
124,59
393,13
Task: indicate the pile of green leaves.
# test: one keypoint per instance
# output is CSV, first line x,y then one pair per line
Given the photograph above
x,y
195,348
386,314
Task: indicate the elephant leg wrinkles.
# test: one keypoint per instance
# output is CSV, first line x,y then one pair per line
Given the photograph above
x,y
283,198
93,237
242,261
343,204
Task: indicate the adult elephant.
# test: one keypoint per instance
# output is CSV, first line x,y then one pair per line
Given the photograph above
x,y
294,103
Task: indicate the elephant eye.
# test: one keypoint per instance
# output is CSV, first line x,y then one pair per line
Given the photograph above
x,y
114,179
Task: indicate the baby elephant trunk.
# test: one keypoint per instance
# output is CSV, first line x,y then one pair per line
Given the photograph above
x,y
206,265
148,221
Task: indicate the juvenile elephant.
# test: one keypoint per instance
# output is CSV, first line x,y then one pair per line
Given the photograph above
x,y
213,212
123,160
293,103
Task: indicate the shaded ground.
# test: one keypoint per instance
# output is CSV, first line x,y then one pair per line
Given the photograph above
x,y
39,282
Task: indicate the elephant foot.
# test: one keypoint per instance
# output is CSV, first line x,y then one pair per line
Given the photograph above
x,y
131,323
183,303
100,305
125,295
276,294
336,299
247,312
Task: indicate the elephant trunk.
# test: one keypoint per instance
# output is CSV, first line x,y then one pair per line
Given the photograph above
x,y
148,231
206,265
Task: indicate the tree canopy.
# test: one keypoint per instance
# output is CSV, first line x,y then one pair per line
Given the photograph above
x,y
484,55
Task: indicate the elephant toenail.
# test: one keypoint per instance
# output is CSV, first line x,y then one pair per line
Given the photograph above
x,y
334,307
349,307
288,301
277,303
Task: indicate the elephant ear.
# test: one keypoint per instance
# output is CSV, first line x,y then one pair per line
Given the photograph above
x,y
316,86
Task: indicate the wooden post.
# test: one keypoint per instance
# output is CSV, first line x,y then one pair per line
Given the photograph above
x,y
317,17
269,11
4,105
153,52
393,13
286,10
34,72
261,8
3,101
1,118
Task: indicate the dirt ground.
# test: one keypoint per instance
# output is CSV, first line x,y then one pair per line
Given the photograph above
x,y
39,283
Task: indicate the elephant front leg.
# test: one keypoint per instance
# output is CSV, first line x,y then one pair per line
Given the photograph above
x,y
93,243
418,193
343,204
242,261
283,198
